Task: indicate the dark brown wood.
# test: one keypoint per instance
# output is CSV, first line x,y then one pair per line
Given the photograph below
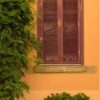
x,y
50,31
70,31
60,31
81,30
40,25
45,39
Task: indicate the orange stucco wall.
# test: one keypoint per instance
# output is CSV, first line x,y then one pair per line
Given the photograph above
x,y
43,84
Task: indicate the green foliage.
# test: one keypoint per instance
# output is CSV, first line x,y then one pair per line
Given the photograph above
x,y
81,96
15,40
37,61
66,96
59,96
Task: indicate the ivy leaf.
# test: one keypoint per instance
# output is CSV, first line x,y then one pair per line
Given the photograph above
x,y
23,6
4,19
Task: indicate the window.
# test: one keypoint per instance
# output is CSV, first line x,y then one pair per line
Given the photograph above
x,y
60,28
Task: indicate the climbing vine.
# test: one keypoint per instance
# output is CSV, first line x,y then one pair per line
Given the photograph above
x,y
16,38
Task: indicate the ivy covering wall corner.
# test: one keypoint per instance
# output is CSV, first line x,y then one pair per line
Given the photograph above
x,y
15,39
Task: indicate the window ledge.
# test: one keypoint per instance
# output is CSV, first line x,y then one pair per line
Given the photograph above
x,y
60,69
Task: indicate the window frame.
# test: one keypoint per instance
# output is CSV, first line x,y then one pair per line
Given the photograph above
x,y
60,29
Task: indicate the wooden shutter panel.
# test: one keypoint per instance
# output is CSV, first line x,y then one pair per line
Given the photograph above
x,y
50,30
70,31
60,28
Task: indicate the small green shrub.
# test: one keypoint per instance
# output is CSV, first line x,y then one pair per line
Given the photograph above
x,y
59,96
66,96
80,96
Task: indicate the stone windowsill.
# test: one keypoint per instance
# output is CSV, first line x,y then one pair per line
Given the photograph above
x,y
63,69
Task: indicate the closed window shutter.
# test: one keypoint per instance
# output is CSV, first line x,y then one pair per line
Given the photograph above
x,y
60,28
70,31
50,30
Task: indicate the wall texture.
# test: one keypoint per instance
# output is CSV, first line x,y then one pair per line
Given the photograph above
x,y
42,85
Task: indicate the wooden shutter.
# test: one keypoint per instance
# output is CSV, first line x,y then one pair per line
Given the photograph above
x,y
50,31
70,32
60,28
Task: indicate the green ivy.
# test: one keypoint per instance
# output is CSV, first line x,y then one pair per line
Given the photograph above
x,y
15,39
